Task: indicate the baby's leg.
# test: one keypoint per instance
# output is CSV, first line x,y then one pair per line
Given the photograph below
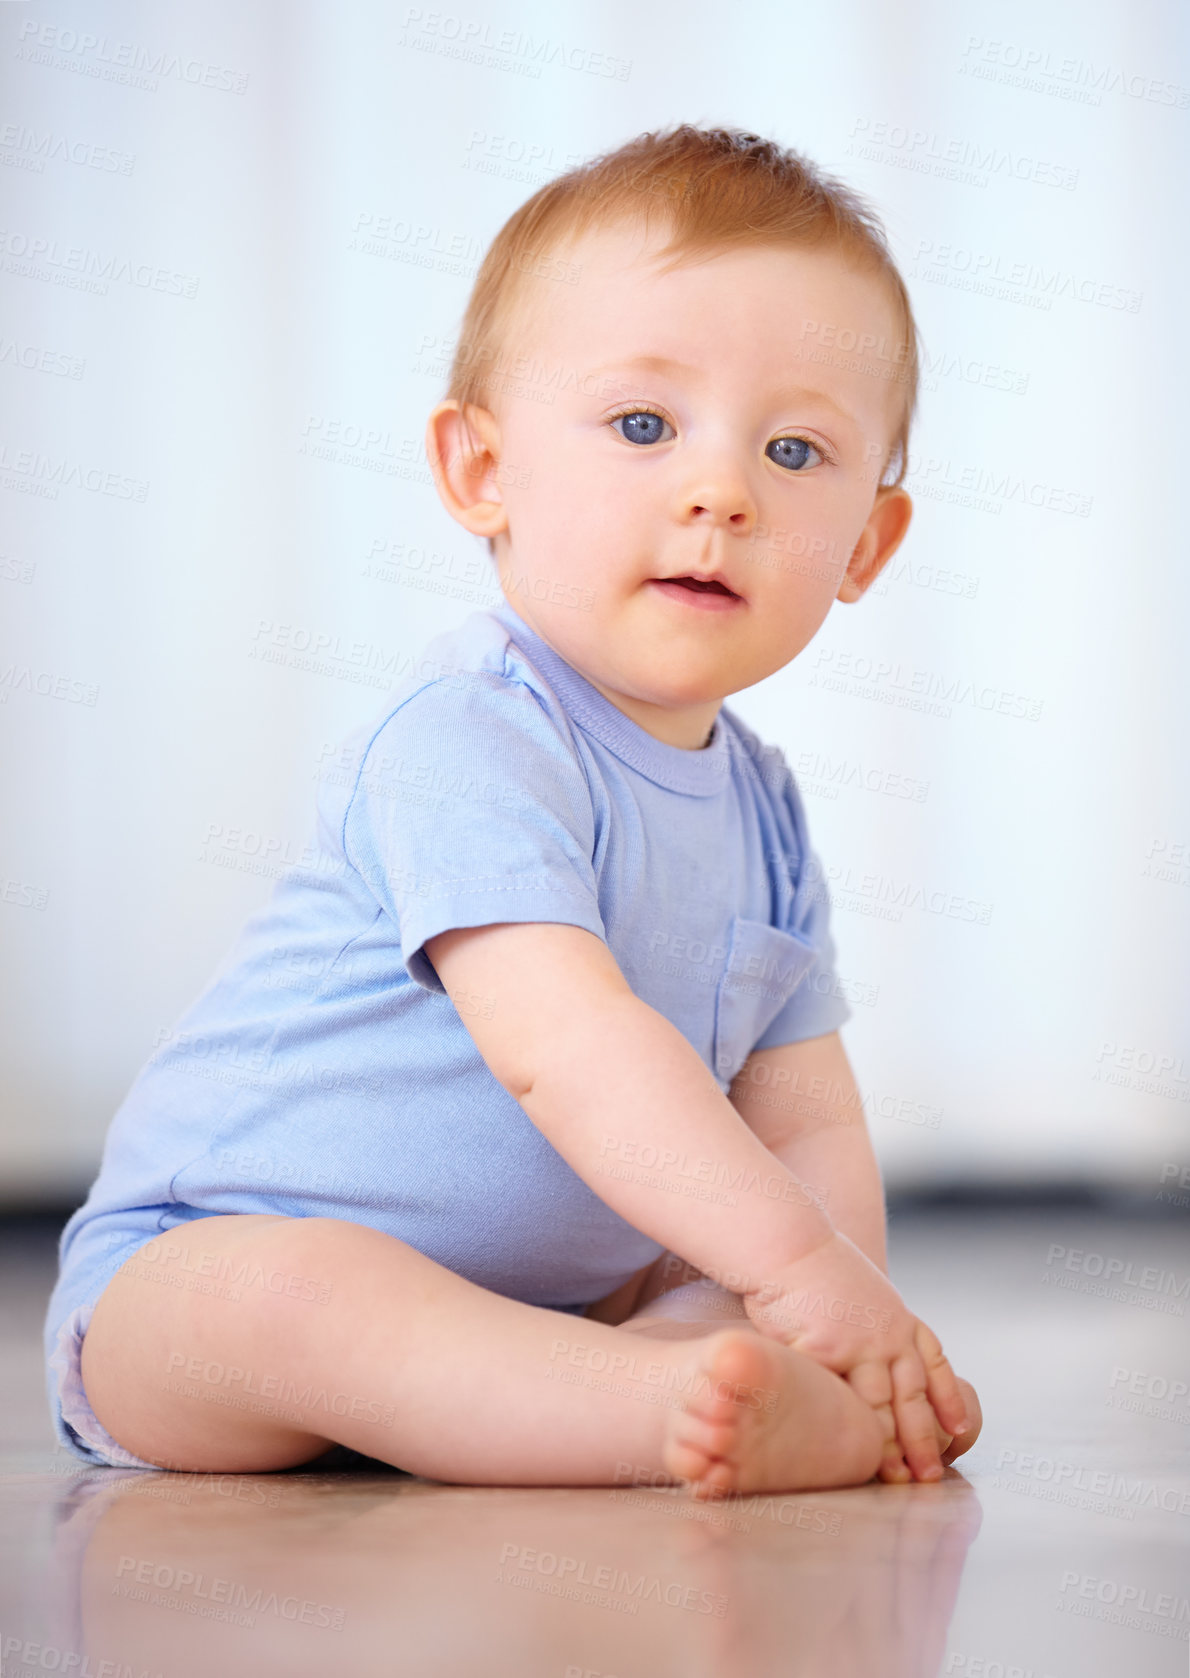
x,y
409,1363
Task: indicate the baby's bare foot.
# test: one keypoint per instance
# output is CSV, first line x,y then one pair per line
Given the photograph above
x,y
762,1417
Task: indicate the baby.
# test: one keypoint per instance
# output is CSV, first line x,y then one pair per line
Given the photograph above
x,y
514,1141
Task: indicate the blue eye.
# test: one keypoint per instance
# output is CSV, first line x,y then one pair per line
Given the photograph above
x,y
641,426
791,451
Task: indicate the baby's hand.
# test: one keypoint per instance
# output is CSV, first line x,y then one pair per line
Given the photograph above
x,y
894,1470
954,1447
835,1305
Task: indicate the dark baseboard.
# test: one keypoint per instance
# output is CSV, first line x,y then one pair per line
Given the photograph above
x,y
43,1221
1017,1198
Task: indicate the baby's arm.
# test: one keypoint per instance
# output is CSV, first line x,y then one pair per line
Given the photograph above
x,y
617,1090
605,1077
801,1100
817,1129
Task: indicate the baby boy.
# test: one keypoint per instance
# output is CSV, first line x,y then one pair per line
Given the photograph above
x,y
578,1161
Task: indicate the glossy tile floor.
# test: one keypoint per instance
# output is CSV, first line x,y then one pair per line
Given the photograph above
x,y
1059,1549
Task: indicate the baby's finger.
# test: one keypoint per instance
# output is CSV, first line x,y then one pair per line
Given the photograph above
x,y
894,1470
875,1380
872,1380
917,1433
873,1383
942,1385
964,1441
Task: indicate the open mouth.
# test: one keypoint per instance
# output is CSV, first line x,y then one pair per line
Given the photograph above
x,y
703,588
698,587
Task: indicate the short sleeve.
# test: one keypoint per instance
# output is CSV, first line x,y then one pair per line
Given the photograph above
x,y
817,1005
472,807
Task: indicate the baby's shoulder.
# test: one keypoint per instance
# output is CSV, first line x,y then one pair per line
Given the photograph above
x,y
472,713
473,671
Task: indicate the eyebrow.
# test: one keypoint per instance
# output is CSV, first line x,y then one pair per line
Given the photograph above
x,y
666,364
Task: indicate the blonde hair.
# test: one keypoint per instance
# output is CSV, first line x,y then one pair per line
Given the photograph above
x,y
714,189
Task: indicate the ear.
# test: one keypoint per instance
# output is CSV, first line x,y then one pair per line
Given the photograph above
x,y
879,540
463,451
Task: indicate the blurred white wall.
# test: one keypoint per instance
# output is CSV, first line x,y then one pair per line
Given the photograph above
x,y
235,241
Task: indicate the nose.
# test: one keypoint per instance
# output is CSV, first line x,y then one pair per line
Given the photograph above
x,y
715,491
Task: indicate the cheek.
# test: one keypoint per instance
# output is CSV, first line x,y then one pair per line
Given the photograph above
x,y
579,485
611,481
795,549
817,534
792,620
560,529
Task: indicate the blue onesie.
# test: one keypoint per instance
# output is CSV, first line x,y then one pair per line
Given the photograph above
x,y
324,1072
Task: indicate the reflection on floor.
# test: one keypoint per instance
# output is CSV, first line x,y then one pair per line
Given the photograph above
x,y
1058,1547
